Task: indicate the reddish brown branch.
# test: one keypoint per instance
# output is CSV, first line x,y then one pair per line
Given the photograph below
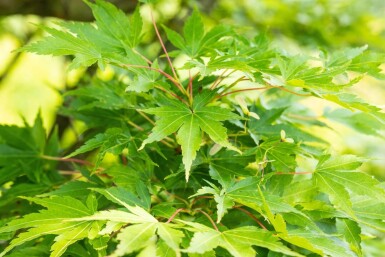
x,y
174,214
251,216
190,86
163,46
210,219
172,94
287,90
200,197
219,79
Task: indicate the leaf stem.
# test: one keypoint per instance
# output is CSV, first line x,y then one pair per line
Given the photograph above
x,y
142,56
135,125
54,158
251,216
287,90
190,87
243,78
242,90
145,116
200,197
163,46
172,94
210,219
174,214
218,80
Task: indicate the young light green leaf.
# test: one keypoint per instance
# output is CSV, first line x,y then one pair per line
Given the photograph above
x,y
337,193
351,232
69,237
135,237
121,196
171,236
332,173
119,216
238,241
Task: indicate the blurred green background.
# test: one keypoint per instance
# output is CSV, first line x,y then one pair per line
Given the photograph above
x,y
31,83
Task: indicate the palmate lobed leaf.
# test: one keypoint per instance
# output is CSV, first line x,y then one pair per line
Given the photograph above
x,y
238,241
190,123
335,177
112,35
52,221
195,42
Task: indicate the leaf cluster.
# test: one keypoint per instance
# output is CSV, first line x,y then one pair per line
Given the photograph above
x,y
215,157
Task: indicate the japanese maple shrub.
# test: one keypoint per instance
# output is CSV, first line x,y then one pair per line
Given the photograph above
x,y
216,156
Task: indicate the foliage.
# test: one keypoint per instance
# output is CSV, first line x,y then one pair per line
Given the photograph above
x,y
173,165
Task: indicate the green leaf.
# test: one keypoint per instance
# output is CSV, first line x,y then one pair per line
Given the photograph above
x,y
237,241
69,237
114,140
328,163
352,102
175,38
172,237
195,42
280,154
193,32
351,232
120,216
337,193
189,137
359,121
162,249
176,116
115,23
21,149
113,35
321,244
223,202
53,220
333,177
134,238
121,196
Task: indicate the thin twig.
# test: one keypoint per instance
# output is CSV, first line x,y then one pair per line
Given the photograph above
x,y
54,158
200,197
210,219
190,87
135,125
163,46
251,216
242,90
142,56
172,94
235,83
287,90
218,78
145,116
174,214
